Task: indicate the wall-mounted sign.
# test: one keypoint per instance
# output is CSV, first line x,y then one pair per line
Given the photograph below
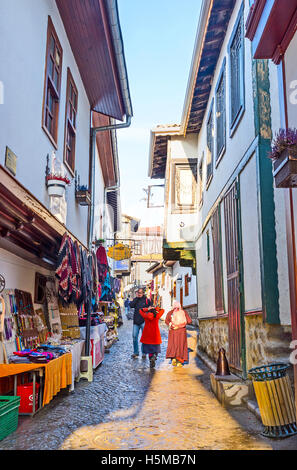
x,y
10,161
119,252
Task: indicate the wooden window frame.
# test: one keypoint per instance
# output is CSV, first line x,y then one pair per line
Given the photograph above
x,y
190,163
186,285
216,229
69,123
220,94
200,182
236,118
50,87
209,142
208,245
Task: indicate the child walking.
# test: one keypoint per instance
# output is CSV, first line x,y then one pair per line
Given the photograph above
x,y
151,336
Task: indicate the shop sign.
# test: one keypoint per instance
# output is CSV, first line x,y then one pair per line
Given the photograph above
x,y
119,252
10,161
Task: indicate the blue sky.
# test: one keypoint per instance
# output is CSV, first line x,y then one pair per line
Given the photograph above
x,y
158,40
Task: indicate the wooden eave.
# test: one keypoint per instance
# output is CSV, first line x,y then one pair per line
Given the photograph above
x,y
105,150
27,228
87,26
214,37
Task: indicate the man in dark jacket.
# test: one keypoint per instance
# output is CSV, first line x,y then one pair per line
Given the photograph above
x,y
140,302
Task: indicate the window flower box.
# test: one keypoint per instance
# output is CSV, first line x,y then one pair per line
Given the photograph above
x,y
284,159
83,196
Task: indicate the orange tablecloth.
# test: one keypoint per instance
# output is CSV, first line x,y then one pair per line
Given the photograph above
x,y
58,374
13,369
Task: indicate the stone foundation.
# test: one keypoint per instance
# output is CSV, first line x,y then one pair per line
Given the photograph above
x,y
264,343
213,335
193,312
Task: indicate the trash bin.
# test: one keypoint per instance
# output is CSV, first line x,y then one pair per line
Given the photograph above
x,y
25,392
275,399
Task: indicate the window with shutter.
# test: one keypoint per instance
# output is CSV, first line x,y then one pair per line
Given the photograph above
x,y
236,53
221,115
210,145
217,261
52,84
70,123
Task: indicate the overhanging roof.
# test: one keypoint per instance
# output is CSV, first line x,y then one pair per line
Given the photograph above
x,y
27,228
158,149
213,23
271,26
93,30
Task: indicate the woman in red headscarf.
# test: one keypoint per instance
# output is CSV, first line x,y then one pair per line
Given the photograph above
x,y
177,349
151,336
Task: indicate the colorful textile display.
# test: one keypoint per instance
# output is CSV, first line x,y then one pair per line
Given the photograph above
x,y
67,272
102,263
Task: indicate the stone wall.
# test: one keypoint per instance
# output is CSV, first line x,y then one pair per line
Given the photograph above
x,y
213,335
193,312
264,343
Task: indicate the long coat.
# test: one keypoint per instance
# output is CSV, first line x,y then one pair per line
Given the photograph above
x,y
177,339
151,332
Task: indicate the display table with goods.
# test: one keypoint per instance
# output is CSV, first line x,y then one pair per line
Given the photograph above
x,y
97,337
36,361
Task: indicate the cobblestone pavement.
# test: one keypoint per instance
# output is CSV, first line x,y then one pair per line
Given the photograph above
x,y
130,406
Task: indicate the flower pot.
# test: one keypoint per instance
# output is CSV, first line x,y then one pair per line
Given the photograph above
x,y
83,197
285,170
56,187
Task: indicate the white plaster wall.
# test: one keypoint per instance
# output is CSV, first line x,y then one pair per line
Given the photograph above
x,y
22,73
20,274
190,299
205,277
250,237
238,145
180,149
279,200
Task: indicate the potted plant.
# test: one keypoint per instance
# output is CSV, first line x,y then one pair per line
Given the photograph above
x,y
56,184
284,158
83,195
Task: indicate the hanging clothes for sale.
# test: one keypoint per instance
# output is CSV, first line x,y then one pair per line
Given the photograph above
x,y
95,280
67,272
102,263
86,286
106,289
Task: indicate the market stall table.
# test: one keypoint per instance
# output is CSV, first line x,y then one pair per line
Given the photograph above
x,y
57,375
97,342
76,350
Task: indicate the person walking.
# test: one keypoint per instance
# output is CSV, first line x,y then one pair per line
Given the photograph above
x,y
151,336
177,348
127,307
140,302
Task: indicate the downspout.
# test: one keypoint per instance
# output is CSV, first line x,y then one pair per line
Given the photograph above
x,y
112,10
94,132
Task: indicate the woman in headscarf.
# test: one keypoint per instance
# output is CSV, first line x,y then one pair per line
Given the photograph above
x,y
151,336
177,349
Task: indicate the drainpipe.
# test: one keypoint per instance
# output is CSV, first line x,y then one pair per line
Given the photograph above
x,y
94,131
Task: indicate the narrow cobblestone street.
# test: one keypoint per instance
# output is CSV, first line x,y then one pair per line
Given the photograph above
x,y
129,406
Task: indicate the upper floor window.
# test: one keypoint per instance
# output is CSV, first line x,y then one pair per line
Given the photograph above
x,y
70,122
221,115
236,53
200,181
184,185
210,146
52,85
